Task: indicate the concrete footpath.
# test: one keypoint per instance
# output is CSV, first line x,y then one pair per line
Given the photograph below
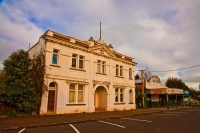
x,y
45,120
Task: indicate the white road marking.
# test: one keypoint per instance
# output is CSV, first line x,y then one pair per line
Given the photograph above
x,y
74,128
136,119
177,112
166,114
192,110
112,124
21,130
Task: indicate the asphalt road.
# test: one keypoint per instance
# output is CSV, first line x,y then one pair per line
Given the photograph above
x,y
173,121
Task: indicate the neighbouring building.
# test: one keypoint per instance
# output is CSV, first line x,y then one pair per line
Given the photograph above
x,y
157,94
84,76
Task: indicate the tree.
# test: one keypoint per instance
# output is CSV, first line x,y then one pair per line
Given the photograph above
x,y
195,94
37,76
147,73
137,77
2,86
176,83
24,80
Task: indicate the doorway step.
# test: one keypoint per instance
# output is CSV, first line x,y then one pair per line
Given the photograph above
x,y
100,110
51,113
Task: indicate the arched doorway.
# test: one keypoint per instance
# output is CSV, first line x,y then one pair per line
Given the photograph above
x,y
100,99
51,97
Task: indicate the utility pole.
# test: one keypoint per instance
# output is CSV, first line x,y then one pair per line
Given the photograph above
x,y
143,85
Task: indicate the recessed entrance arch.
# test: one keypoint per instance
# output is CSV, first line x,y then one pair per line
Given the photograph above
x,y
52,97
100,99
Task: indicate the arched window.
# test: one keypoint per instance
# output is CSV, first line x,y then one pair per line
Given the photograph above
x,y
52,84
131,95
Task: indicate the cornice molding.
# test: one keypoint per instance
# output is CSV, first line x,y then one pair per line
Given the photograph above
x,y
88,50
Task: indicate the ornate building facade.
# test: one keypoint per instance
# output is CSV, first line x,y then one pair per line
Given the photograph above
x,y
84,76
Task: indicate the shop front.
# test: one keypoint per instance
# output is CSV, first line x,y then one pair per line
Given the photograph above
x,y
175,96
156,97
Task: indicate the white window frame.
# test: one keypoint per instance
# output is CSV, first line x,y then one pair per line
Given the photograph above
x,y
130,73
119,93
74,91
119,70
76,94
77,61
131,96
98,66
57,56
101,66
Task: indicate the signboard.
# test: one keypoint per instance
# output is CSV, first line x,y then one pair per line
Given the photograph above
x,y
174,91
186,92
158,91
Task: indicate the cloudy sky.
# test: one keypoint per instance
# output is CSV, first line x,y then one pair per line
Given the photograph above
x,y
161,34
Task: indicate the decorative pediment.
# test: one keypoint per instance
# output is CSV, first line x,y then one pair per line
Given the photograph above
x,y
103,50
155,79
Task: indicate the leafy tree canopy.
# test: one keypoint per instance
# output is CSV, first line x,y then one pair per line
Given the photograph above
x,y
176,83
23,81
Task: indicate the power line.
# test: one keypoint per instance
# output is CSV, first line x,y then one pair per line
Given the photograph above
x,y
198,76
191,81
177,69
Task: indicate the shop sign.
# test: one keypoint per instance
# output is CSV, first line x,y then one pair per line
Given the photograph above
x,y
186,92
157,91
174,91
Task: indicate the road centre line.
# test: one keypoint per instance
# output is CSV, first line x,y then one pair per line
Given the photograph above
x,y
21,130
74,128
137,119
166,114
112,124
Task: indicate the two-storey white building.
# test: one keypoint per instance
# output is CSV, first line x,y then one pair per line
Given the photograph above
x,y
84,76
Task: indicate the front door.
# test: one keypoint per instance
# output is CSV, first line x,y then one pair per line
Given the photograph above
x,y
100,99
51,102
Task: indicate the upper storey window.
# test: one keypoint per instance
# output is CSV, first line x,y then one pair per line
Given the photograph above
x,y
101,66
78,61
119,70
130,73
55,56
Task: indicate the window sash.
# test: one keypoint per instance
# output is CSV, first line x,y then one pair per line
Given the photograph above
x,y
121,70
117,69
131,97
103,67
71,96
81,64
81,61
119,95
55,56
74,58
80,96
116,97
76,93
130,73
99,66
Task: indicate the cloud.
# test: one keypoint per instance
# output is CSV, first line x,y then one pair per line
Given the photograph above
x,y
16,32
162,34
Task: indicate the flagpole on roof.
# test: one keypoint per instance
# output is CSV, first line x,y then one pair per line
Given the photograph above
x,y
100,31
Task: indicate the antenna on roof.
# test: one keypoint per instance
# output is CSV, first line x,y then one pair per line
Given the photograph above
x,y
29,46
100,31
